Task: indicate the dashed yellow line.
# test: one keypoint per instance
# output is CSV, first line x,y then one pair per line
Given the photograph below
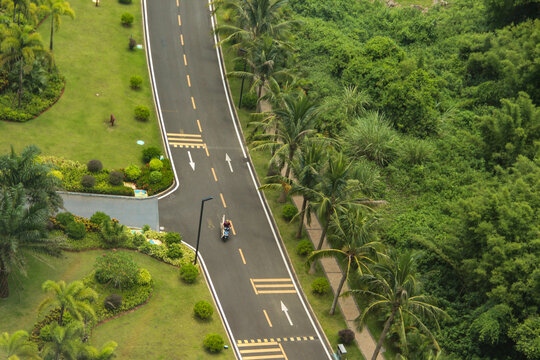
x,y
185,60
254,287
273,341
199,125
232,227
214,173
182,39
283,352
267,318
188,82
193,103
177,3
242,256
206,149
179,20
223,200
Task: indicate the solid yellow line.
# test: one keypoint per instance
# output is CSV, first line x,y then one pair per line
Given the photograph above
x,y
242,256
206,149
283,352
193,102
274,285
189,145
185,60
223,200
214,173
179,20
184,135
269,280
177,3
232,227
254,288
263,357
265,344
188,81
267,318
182,39
277,349
199,124
277,291
179,138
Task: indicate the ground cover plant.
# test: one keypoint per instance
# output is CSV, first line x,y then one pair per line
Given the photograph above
x,y
69,129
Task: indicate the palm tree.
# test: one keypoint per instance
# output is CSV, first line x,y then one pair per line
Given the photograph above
x,y
393,288
106,352
22,231
64,342
55,9
74,298
17,346
355,230
38,184
22,46
22,6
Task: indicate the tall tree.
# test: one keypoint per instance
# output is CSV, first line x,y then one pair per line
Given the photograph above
x,y
22,231
56,9
17,346
64,342
74,298
393,288
355,230
21,46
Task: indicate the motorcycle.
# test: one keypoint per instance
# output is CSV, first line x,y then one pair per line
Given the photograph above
x,y
225,230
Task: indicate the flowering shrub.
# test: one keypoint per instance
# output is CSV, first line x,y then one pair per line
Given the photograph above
x,y
165,182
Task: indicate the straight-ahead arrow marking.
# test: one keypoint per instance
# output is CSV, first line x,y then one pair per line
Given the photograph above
x,y
191,161
228,159
286,311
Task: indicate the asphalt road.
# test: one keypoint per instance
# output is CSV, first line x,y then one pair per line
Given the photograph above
x,y
249,272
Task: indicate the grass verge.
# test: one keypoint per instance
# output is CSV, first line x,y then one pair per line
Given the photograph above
x,y
92,54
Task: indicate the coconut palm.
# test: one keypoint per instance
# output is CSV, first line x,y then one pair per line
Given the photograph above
x,y
105,353
20,6
17,346
354,229
64,342
22,230
74,298
56,9
21,46
393,288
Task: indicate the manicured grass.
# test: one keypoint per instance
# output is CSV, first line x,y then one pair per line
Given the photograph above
x,y
92,53
164,328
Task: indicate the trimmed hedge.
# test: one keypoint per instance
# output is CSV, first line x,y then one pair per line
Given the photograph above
x,y
189,273
203,309
213,343
320,286
75,230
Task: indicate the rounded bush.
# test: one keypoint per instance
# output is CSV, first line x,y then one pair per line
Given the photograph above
x,y
320,286
174,251
249,100
203,309
144,277
112,302
94,166
138,239
88,181
155,177
155,165
142,113
57,174
135,82
150,153
346,336
99,217
172,238
127,19
75,230
146,228
116,178
127,2
132,172
289,211
213,343
304,247
189,273
64,218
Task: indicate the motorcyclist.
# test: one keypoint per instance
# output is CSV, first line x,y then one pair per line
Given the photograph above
x,y
227,225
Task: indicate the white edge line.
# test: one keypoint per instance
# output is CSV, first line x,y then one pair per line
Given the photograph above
x,y
259,192
218,303
155,94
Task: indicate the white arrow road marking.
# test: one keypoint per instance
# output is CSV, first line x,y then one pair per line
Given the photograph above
x,y
228,159
286,311
191,161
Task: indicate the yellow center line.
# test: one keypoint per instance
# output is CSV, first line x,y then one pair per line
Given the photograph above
x,y
267,318
271,280
182,39
185,60
199,124
232,227
188,81
283,352
177,3
254,288
214,173
193,103
222,200
179,20
206,149
242,256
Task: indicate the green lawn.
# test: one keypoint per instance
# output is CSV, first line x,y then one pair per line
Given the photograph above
x,y
92,53
164,328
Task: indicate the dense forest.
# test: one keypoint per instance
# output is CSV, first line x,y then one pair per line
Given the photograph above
x,y
454,135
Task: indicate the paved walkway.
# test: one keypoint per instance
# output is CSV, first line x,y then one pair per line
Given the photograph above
x,y
348,306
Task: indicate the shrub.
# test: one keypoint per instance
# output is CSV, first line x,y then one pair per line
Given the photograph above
x,y
172,238
174,251
116,268
127,2
88,181
75,230
150,153
132,43
304,247
146,228
135,82
144,277
249,100
113,233
155,177
132,172
99,217
213,343
320,286
346,336
142,113
189,273
138,239
57,174
94,166
155,165
127,19
64,218
289,211
145,248
203,309
415,152
112,302
116,178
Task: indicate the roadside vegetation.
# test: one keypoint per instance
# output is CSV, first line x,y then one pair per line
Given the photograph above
x,y
414,138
